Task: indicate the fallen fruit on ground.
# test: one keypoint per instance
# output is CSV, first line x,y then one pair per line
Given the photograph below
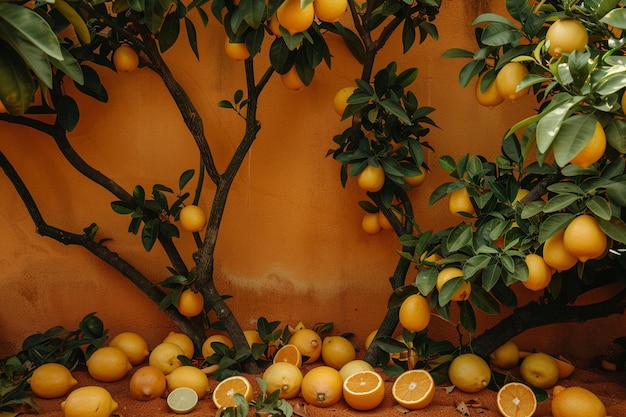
x,y
505,356
108,364
192,218
576,402
89,401
285,377
353,367
133,345
414,313
147,383
539,370
469,373
414,389
224,393
565,367
322,386
516,400
207,349
337,351
289,353
183,341
164,356
190,377
182,400
364,390
51,380
309,343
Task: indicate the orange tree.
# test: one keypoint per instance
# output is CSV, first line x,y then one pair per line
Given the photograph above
x,y
36,64
549,211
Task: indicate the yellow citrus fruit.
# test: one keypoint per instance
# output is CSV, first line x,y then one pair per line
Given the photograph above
x,y
539,370
133,345
508,79
192,218
164,356
89,401
309,343
521,193
576,402
285,377
370,224
364,390
555,254
415,181
224,393
370,338
460,202
565,36
565,367
516,400
289,353
385,224
354,366
274,26
108,364
291,80
594,149
446,274
190,302
236,50
371,178
207,349
51,380
183,341
322,386
505,356
584,239
340,101
539,273
190,377
337,351
330,10
489,97
147,383
125,59
469,373
252,337
294,18
182,400
414,389
414,313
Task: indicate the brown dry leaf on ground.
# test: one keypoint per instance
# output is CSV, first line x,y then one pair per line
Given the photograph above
x,y
610,387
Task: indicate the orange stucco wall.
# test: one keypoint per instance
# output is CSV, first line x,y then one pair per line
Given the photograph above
x,y
291,247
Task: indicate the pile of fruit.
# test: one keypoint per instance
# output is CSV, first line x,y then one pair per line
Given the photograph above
x,y
334,374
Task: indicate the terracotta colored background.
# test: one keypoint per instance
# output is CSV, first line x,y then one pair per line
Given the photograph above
x,y
291,247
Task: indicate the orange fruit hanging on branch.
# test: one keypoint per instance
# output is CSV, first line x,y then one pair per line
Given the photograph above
x,y
414,314
190,302
566,35
236,50
125,58
459,202
584,239
446,274
330,10
294,18
490,96
555,254
539,273
192,218
372,178
508,78
593,150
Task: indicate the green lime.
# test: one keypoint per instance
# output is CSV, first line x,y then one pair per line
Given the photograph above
x,y
182,400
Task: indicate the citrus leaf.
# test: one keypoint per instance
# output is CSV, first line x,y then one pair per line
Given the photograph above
x,y
600,207
67,112
32,27
484,301
615,228
468,317
574,134
459,237
553,224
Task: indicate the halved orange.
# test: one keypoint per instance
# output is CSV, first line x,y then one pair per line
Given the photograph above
x,y
364,390
289,353
565,367
414,389
516,400
224,393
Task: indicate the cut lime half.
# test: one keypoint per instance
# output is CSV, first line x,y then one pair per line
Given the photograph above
x,y
182,400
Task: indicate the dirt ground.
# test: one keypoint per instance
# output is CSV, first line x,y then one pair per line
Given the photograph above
x,y
609,386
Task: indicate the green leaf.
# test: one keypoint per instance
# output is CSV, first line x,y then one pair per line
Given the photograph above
x,y
468,318
491,17
150,233
499,34
459,237
559,202
170,29
185,177
574,134
352,41
67,112
469,71
552,118
553,224
122,207
396,109
457,53
91,84
615,228
600,207
475,264
35,58
426,280
408,34
615,18
30,25
491,276
17,87
484,301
